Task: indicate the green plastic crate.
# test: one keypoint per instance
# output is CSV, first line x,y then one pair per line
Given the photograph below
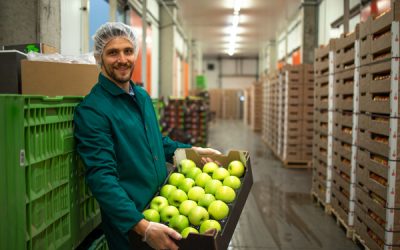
x,y
99,244
39,184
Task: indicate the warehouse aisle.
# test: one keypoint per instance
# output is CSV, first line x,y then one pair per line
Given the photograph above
x,y
279,213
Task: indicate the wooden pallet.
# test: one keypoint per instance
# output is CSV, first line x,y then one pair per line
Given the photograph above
x,y
341,223
360,242
297,164
327,207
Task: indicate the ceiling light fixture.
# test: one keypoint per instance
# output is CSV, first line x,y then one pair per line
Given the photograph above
x,y
234,28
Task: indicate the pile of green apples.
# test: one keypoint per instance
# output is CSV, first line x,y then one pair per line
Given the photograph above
x,y
196,200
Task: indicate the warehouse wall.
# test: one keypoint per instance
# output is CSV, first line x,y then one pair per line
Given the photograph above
x,y
329,11
230,73
71,23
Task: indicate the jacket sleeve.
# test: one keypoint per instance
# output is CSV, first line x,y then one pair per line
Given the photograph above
x,y
96,149
170,146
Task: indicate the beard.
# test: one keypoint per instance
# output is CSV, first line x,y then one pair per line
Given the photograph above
x,y
112,72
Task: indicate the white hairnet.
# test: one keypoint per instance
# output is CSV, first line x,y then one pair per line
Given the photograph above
x,y
111,30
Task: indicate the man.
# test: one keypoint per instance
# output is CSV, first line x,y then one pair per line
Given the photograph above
x,y
121,145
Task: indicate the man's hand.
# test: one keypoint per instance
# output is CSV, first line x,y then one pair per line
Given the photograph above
x,y
157,235
206,151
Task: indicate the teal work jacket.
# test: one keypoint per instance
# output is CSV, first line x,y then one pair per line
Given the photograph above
x,y
120,143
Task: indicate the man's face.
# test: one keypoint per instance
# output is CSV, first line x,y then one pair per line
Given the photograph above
x,y
118,60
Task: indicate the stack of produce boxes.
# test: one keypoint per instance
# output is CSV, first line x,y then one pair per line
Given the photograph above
x,y
322,175
378,207
256,106
186,120
246,107
343,192
297,126
196,120
270,123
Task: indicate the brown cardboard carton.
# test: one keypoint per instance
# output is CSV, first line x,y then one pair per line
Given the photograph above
x,y
57,79
343,133
342,163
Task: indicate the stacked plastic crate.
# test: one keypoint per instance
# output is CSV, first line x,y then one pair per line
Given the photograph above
x,y
343,192
378,206
46,204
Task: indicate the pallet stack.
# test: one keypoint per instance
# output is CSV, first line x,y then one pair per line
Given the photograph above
x,y
256,106
297,122
270,123
288,114
343,192
377,206
322,174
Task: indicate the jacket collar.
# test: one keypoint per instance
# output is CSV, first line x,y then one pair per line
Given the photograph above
x,y
111,87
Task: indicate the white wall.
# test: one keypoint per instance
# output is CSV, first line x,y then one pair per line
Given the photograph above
x,y
329,11
235,73
71,23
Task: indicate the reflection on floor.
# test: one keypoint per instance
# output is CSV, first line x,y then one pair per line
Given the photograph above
x,y
279,212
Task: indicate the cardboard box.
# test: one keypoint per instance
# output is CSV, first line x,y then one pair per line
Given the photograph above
x,y
321,61
343,133
10,71
340,204
374,143
378,103
342,148
379,124
221,239
344,51
344,102
340,178
231,104
364,79
57,79
342,163
215,96
344,118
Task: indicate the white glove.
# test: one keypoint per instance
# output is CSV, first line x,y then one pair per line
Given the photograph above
x,y
158,236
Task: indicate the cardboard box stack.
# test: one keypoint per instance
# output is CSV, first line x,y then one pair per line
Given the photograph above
x,y
343,111
270,122
377,202
321,186
246,107
297,122
256,94
215,96
230,104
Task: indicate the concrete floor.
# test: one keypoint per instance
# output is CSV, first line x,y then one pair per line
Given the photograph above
x,y
279,212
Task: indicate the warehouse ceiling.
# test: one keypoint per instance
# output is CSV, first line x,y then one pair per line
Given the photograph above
x,y
209,22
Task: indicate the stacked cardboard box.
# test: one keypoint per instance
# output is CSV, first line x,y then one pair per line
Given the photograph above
x,y
297,122
377,202
215,96
231,104
322,175
256,99
343,92
246,107
270,127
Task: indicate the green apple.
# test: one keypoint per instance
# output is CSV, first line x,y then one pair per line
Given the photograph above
x,y
236,168
202,179
212,186
188,230
151,215
158,203
166,190
210,167
185,165
175,179
225,194
232,181
206,200
179,222
193,172
186,206
218,210
196,193
186,184
177,197
209,224
220,174
197,215
168,212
